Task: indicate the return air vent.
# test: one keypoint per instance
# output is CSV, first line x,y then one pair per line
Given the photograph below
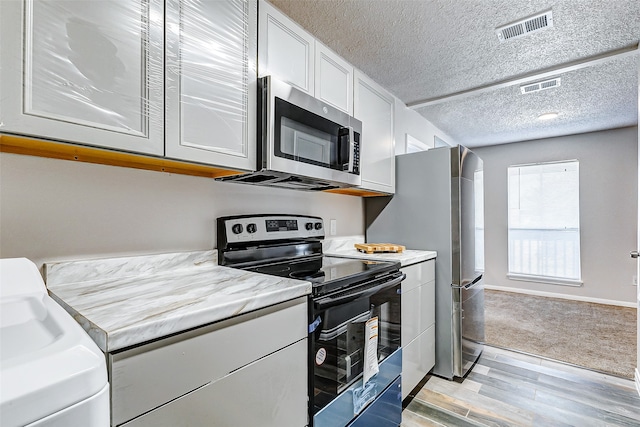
x,y
543,85
525,26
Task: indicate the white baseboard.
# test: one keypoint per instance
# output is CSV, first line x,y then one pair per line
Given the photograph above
x,y
637,376
563,296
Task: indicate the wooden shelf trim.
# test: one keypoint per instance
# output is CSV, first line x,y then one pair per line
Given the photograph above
x,y
79,153
66,151
356,192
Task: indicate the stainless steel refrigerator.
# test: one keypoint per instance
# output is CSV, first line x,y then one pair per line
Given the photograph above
x,y
438,205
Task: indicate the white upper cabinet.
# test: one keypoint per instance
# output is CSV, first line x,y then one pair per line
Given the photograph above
x,y
100,73
89,72
333,79
211,88
289,53
286,51
374,107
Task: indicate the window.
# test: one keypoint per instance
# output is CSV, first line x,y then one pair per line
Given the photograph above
x,y
437,142
414,144
544,222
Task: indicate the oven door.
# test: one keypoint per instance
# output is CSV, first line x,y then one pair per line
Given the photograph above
x,y
338,335
304,136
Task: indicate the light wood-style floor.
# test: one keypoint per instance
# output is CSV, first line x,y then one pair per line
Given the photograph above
x,y
512,389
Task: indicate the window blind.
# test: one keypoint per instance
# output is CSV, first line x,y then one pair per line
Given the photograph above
x,y
544,220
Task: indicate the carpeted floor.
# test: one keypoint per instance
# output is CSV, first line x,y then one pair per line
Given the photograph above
x,y
595,336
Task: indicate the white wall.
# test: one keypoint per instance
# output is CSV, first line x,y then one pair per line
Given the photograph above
x,y
608,210
409,121
62,210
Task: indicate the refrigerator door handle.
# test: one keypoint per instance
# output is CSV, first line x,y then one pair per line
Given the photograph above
x,y
468,285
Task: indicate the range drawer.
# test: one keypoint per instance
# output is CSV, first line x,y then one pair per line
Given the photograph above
x,y
385,411
145,377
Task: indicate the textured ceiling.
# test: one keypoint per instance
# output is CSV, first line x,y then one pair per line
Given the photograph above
x,y
430,50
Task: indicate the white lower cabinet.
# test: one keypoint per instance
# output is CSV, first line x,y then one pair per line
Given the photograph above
x,y
247,370
418,323
271,391
418,311
418,357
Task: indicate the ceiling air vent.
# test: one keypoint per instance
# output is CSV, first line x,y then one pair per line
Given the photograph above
x,y
525,26
543,85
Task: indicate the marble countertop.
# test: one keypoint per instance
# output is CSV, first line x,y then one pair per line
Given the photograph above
x,y
343,247
122,302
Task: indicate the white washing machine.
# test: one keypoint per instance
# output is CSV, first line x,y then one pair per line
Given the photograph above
x,y
51,373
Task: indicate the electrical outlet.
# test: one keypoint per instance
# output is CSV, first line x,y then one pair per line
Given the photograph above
x,y
333,228
635,280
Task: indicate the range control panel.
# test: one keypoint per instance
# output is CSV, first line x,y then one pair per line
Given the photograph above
x,y
249,228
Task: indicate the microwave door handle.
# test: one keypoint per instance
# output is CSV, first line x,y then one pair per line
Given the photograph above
x,y
329,301
352,144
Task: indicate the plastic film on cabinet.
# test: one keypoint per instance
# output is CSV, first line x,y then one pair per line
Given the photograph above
x,y
83,71
211,50
133,75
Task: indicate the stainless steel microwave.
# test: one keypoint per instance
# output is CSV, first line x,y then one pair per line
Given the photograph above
x,y
303,143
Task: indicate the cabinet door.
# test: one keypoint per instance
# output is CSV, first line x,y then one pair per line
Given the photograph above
x,y
418,300
428,304
418,357
150,375
333,79
211,82
410,315
286,51
89,72
374,107
271,391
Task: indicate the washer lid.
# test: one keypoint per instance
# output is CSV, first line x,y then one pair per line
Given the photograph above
x,y
47,361
20,277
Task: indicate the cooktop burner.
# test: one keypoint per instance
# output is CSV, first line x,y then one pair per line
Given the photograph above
x,y
310,275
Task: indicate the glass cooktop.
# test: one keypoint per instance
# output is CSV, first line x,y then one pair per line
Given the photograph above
x,y
325,271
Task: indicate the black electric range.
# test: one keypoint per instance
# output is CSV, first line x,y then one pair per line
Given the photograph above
x,y
348,296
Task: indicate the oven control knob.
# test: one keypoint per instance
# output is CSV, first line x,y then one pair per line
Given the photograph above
x,y
309,226
251,228
318,225
237,228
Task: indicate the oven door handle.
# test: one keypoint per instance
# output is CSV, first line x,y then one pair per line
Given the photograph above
x,y
330,301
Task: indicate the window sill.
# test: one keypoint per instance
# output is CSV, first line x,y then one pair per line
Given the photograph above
x,y
544,279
